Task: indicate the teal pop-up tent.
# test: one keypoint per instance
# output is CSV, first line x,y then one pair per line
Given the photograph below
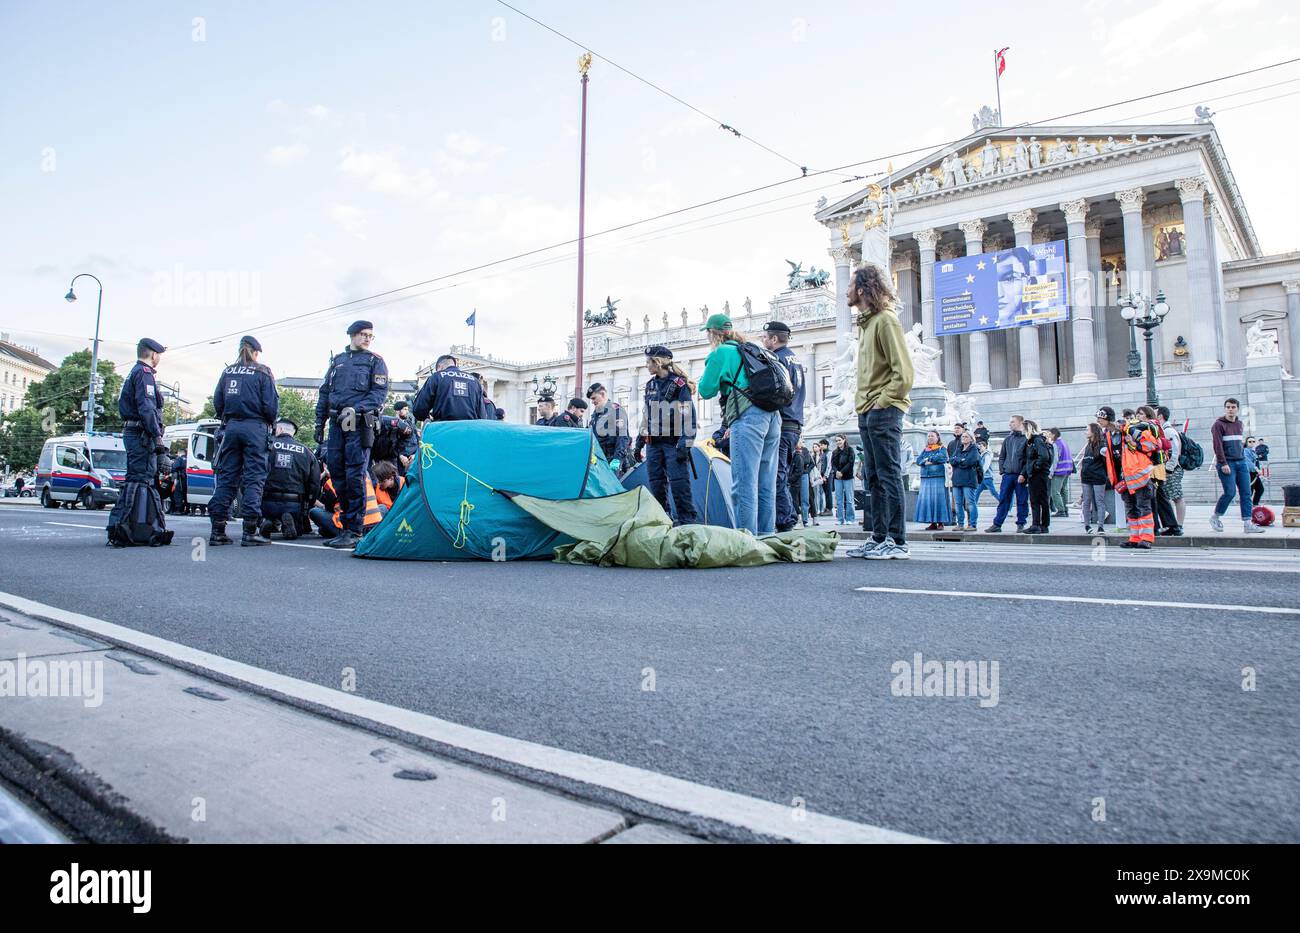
x,y
449,509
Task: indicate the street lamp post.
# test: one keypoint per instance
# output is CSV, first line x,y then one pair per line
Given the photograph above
x,y
1142,312
94,349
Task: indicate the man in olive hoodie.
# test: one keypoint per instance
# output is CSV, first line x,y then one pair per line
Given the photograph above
x,y
884,383
1011,464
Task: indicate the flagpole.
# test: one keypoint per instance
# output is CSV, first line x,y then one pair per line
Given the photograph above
x,y
583,64
997,81
474,330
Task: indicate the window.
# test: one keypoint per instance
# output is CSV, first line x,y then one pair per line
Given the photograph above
x,y
826,386
69,458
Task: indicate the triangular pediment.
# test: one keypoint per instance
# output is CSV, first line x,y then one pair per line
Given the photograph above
x,y
992,154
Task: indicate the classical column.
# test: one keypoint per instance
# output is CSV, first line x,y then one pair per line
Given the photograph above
x,y
950,362
1221,330
843,321
1101,354
927,240
1076,213
1135,255
1199,297
1030,369
904,266
1292,287
973,230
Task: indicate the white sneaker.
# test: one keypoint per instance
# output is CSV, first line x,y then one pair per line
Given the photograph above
x,y
1216,522
868,550
1251,528
897,551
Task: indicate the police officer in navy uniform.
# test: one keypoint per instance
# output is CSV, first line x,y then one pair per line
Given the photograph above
x,y
450,394
247,403
292,483
410,445
668,433
351,398
609,424
776,337
546,412
141,406
572,416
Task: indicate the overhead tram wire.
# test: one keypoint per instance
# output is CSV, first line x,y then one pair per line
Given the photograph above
x,y
804,170
721,199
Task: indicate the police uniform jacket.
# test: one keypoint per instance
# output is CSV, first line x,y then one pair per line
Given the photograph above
x,y
246,392
294,473
450,394
669,411
141,401
792,414
356,379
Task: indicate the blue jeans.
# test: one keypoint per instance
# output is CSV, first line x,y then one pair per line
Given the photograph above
x,y
1237,481
966,499
844,501
785,506
987,484
755,437
1011,488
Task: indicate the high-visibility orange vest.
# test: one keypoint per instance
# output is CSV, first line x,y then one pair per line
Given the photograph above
x,y
1138,458
385,498
371,515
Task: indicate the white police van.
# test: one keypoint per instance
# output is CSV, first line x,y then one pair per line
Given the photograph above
x,y
196,440
81,469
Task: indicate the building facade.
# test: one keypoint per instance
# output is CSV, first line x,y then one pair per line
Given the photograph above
x,y
20,369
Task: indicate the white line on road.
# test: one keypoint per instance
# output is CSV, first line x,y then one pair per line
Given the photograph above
x,y
1268,610
75,525
698,800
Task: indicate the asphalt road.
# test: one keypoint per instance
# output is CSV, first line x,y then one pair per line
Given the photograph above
x,y
776,681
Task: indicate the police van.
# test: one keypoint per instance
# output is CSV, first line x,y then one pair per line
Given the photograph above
x,y
81,469
197,441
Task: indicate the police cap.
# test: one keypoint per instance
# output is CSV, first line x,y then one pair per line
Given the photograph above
x,y
398,406
289,421
148,343
777,327
577,403
659,351
358,326
592,390
250,342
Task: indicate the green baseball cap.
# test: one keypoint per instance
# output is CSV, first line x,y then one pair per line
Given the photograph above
x,y
717,322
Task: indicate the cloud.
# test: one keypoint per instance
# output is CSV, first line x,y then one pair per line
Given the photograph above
x,y
383,172
318,111
287,155
351,219
276,106
464,153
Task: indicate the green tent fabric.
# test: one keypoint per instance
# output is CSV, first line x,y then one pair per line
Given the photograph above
x,y
632,530
449,509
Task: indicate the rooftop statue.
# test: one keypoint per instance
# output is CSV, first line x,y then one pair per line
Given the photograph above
x,y
813,278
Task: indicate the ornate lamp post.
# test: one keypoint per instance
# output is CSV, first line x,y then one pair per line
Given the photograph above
x,y
1142,312
94,350
546,386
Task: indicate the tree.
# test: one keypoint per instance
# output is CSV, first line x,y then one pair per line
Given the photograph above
x,y
22,435
59,395
292,406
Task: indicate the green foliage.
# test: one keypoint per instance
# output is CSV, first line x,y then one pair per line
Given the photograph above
x,y
59,395
21,438
301,412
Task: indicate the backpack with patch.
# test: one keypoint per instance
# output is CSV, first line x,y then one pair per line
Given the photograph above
x,y
769,381
142,522
1191,456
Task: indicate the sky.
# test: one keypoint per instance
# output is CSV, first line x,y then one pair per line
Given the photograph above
x,y
224,165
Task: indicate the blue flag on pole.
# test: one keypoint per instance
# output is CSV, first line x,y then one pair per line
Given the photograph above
x,y
472,319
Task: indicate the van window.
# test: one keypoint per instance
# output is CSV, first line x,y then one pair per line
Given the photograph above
x,y
47,458
106,458
203,446
71,459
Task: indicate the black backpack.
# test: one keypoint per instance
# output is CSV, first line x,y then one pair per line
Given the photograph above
x,y
1191,456
142,522
770,387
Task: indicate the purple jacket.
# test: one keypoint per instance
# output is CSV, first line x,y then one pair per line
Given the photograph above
x,y
1064,463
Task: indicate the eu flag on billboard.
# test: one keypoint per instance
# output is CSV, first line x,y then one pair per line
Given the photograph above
x,y
472,319
1021,286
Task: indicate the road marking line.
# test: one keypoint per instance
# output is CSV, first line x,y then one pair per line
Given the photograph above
x,y
1269,610
315,547
75,525
699,800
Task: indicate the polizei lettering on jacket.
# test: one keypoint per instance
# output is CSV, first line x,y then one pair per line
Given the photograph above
x,y
103,887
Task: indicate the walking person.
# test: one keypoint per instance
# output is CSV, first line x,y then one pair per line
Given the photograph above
x,y
1037,471
1061,472
755,434
247,402
1228,436
883,397
966,468
1092,475
1011,461
932,503
842,470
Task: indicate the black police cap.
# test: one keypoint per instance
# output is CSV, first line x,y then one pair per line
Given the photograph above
x,y
659,351
148,343
577,403
592,390
776,327
358,326
251,342
548,399
398,406
289,421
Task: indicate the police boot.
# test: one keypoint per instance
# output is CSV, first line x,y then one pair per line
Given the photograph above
x,y
218,536
252,535
288,527
345,540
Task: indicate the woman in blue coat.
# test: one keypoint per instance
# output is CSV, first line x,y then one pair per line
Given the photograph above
x,y
932,503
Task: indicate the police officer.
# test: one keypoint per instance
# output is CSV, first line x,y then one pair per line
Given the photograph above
x,y
609,424
351,397
668,433
572,416
410,444
393,435
546,411
247,403
140,404
292,483
450,394
776,337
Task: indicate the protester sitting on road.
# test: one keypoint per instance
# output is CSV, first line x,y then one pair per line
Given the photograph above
x,y
388,483
1092,476
932,503
1037,471
842,470
322,516
965,482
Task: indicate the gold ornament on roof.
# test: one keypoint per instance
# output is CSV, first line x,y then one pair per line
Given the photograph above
x,y
584,62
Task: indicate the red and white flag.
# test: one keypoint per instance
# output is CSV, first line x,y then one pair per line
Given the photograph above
x,y
1000,56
